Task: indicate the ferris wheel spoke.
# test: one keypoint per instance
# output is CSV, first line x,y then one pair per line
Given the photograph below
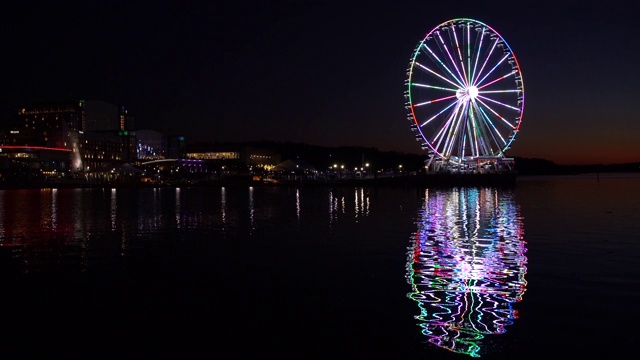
x,y
474,132
499,91
446,147
486,60
491,122
434,87
464,73
490,125
491,71
446,49
464,129
469,76
499,103
468,138
485,134
477,56
471,136
512,73
434,100
438,114
436,58
440,136
442,77
453,131
484,140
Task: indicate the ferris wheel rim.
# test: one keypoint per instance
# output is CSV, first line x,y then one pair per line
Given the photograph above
x,y
467,97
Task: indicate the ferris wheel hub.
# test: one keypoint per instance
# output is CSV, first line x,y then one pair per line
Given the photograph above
x,y
470,92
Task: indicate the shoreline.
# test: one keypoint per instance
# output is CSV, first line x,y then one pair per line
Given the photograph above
x,y
431,180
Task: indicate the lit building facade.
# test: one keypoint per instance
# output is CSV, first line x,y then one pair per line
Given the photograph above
x,y
105,150
83,135
235,156
48,125
152,145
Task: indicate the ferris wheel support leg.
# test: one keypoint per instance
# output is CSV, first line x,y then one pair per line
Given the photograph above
x,y
428,165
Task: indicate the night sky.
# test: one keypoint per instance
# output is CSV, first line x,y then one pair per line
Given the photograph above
x,y
326,73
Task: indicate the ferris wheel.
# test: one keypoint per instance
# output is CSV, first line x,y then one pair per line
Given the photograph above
x,y
464,94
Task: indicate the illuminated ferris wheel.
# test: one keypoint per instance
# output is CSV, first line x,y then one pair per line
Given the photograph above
x,y
464,95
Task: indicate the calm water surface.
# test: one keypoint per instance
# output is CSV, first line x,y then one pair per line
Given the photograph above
x,y
549,267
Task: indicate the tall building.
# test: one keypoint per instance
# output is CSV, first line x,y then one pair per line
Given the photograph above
x,y
108,137
42,141
95,134
49,125
104,116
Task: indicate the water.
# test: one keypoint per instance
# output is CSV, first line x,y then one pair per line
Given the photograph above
x,y
546,268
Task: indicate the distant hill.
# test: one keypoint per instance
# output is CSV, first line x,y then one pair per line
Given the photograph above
x,y
535,166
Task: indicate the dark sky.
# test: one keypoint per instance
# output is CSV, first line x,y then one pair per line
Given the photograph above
x,y
326,73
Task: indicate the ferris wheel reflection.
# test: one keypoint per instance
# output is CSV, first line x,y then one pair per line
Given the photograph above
x,y
466,266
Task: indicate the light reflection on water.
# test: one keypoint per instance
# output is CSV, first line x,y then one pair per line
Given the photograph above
x,y
466,266
331,268
79,228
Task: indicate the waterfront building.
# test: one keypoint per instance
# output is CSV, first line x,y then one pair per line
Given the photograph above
x,y
235,157
152,145
106,150
68,136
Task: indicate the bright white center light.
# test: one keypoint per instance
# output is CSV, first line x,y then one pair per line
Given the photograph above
x,y
471,92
